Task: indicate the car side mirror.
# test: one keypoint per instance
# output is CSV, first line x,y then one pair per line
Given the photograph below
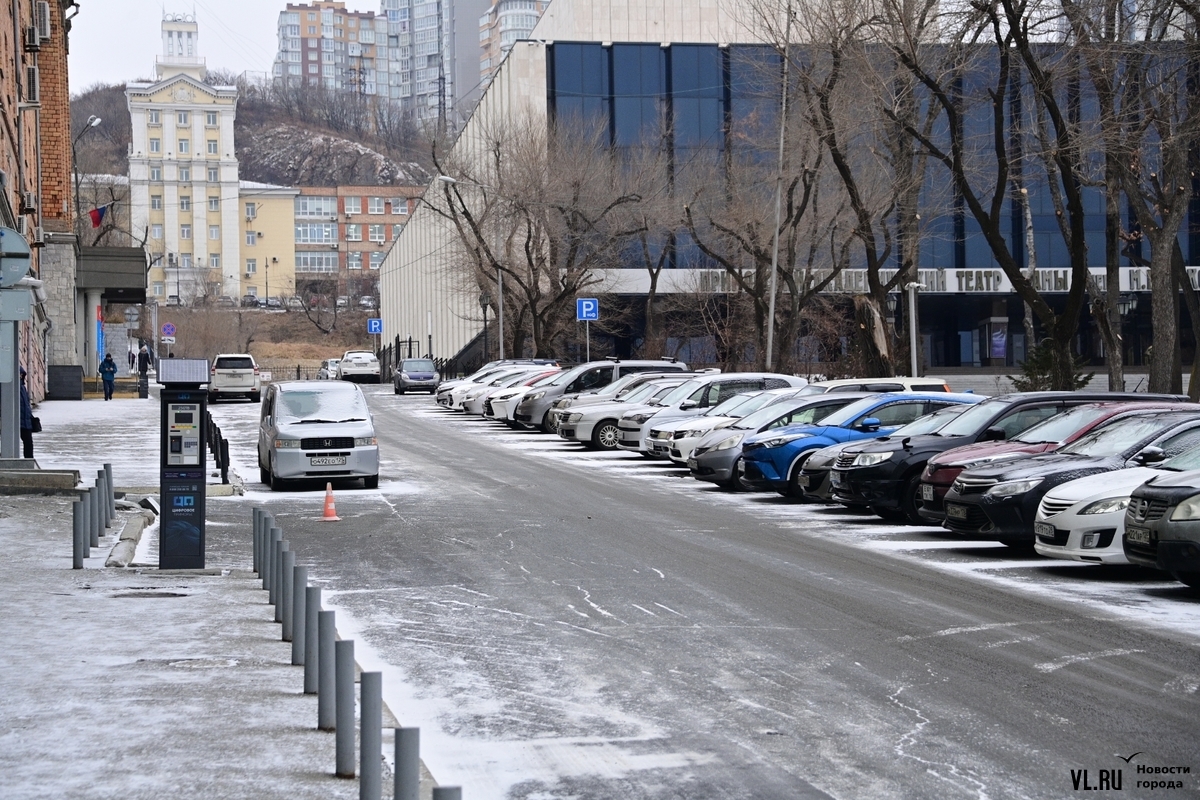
x,y
1150,455
687,405
869,424
993,435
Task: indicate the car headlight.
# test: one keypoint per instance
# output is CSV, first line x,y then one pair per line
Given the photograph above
x,y
1010,488
536,396
574,418
283,444
1106,506
870,459
776,441
730,442
1188,509
404,375
639,419
366,441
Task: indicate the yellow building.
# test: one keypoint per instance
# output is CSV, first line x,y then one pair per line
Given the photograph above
x,y
268,249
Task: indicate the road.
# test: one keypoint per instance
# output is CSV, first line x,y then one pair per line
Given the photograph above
x,y
572,624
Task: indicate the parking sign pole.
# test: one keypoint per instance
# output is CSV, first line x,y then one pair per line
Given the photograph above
x,y
587,334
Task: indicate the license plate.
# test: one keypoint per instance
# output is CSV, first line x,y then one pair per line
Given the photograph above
x,y
802,481
955,511
1043,529
1139,535
691,462
327,461
927,492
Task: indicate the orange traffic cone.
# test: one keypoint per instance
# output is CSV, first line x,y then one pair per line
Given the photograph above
x,y
330,514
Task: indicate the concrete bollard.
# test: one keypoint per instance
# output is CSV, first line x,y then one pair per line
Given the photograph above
x,y
312,610
286,599
343,671
370,737
284,547
79,544
112,492
96,523
447,793
408,764
326,702
299,601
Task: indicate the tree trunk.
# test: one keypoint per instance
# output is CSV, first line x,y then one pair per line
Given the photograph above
x,y
1114,342
1164,306
1192,304
1062,374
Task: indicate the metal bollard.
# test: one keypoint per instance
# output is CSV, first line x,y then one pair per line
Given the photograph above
x,y
285,598
112,492
255,529
344,675
326,702
269,574
103,502
284,547
447,793
107,512
96,523
79,546
312,610
408,764
370,737
299,601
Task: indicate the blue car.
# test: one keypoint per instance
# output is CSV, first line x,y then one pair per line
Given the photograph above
x,y
772,460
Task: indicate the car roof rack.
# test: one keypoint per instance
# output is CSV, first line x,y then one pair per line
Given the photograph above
x,y
614,359
672,359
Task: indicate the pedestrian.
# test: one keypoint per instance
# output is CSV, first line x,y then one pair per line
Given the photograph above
x,y
26,418
143,362
108,372
132,360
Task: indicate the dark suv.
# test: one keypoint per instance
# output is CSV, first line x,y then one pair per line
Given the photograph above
x,y
1162,526
886,476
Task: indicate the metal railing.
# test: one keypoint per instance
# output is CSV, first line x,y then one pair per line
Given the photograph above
x,y
219,446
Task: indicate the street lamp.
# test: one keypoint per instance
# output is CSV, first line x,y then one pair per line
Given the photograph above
x,y
92,122
912,323
485,300
1125,303
449,181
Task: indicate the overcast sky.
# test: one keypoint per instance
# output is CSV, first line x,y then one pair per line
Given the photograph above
x,y
113,41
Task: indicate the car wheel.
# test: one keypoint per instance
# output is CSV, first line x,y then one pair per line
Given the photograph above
x,y
793,489
890,514
255,397
734,484
276,482
547,426
264,476
212,399
371,482
606,435
908,500
1192,579
397,390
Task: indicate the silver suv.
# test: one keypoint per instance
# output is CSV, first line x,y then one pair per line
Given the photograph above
x,y
534,408
234,375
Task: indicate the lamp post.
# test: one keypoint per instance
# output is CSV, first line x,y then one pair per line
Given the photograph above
x,y
92,122
912,324
783,111
485,300
449,181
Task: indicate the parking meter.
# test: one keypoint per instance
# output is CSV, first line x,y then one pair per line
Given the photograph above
x,y
181,484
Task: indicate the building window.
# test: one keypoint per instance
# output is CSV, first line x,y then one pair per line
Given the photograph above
x,y
155,145
185,203
312,30
156,202
376,260
326,261
185,231
156,231
374,205
313,69
214,204
212,147
376,233
214,231
185,146
158,289
214,260
252,291
251,211
399,205
156,173
182,117
185,173
316,206
251,266
316,233
185,260
210,118
152,117
251,238
212,175
354,260
353,205
354,233
396,231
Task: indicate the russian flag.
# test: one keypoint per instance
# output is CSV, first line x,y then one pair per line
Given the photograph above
x,y
97,215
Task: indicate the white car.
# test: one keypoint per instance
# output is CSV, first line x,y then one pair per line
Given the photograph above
x,y
676,439
595,425
1084,519
328,370
234,375
460,393
473,401
502,405
358,365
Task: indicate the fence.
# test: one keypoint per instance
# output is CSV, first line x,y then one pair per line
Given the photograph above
x,y
219,446
289,370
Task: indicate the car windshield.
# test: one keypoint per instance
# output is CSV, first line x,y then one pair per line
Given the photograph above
x,y
570,375
681,392
1060,427
930,422
510,380
546,380
417,365
337,402
1118,436
812,389
643,392
739,405
973,419
847,414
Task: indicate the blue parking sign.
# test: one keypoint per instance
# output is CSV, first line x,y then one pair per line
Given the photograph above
x,y
375,325
587,309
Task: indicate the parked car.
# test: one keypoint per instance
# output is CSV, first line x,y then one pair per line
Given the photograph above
x,y
328,370
234,375
343,302
534,408
718,454
415,374
878,385
446,391
472,399
773,460
319,430
1084,519
605,394
488,367
249,301
692,399
367,303
1162,526
814,478
595,425
676,438
358,365
225,301
999,502
501,405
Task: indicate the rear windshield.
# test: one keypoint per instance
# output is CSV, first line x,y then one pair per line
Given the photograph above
x,y
359,357
417,365
235,362
339,402
1058,428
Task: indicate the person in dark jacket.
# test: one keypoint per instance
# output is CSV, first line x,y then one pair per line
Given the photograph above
x,y
26,418
143,361
108,373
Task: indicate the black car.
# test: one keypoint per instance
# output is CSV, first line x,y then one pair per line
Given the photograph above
x,y
1000,501
1162,526
885,475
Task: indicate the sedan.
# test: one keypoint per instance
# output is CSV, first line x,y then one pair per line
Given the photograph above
x,y
1162,526
596,425
676,439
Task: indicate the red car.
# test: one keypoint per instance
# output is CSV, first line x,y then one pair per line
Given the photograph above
x,y
1047,435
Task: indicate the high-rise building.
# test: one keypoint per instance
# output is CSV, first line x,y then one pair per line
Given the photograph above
x,y
506,22
324,44
183,174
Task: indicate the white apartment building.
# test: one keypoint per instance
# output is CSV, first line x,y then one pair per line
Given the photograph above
x,y
183,174
504,24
